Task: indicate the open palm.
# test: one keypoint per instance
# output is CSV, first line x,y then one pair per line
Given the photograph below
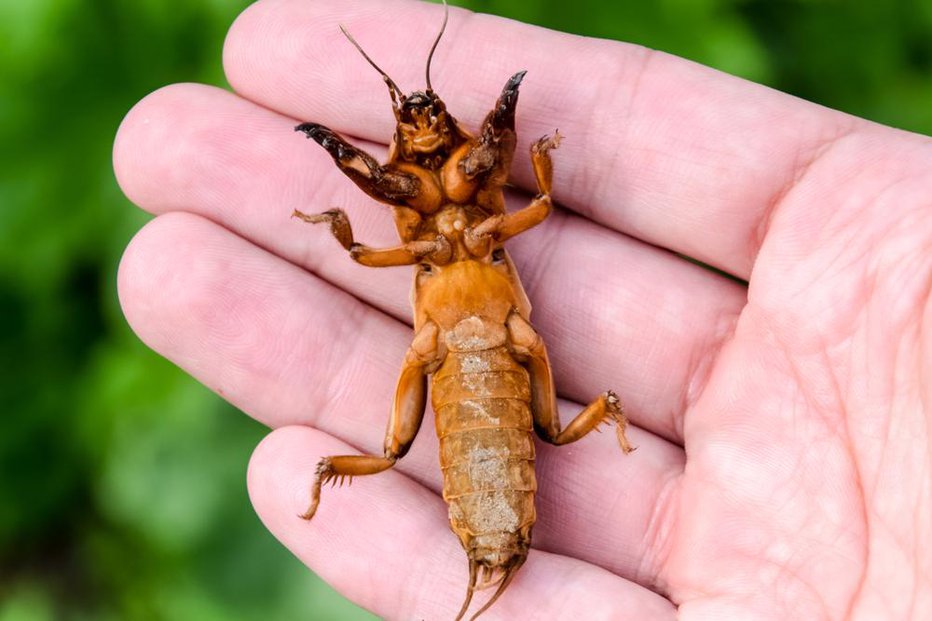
x,y
783,468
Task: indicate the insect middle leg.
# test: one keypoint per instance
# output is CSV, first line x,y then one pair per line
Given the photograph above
x,y
605,408
403,425
408,253
505,226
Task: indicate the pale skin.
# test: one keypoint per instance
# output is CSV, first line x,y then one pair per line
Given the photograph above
x,y
783,462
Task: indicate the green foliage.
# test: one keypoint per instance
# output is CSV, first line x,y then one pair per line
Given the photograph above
x,y
122,490
872,59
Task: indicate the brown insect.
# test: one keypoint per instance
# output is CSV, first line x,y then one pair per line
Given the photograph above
x,y
492,383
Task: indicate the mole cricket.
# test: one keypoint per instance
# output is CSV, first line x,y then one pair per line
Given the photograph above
x,y
491,383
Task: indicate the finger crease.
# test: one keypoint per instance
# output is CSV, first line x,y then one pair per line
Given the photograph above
x,y
803,164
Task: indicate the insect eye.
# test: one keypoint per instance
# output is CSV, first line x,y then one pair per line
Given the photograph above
x,y
498,255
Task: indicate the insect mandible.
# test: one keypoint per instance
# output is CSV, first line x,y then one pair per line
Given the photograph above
x,y
492,385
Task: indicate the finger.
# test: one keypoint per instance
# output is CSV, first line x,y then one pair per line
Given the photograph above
x,y
616,313
275,341
668,151
288,348
386,544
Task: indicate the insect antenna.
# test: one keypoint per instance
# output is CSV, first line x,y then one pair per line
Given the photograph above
x,y
446,15
393,89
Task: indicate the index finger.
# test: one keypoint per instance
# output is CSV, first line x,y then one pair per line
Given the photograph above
x,y
676,154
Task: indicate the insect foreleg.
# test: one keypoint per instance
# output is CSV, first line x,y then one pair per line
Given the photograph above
x,y
380,182
503,116
403,425
605,408
491,155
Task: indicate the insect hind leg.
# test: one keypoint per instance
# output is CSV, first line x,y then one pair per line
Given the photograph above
x,y
605,408
403,425
338,468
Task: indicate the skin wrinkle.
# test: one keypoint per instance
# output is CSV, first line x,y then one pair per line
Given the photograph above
x,y
702,362
889,236
800,172
912,599
533,273
890,416
874,493
881,467
925,346
811,590
289,355
865,511
907,545
659,534
791,578
890,534
861,499
349,336
814,403
604,96
771,315
441,546
836,270
834,384
918,524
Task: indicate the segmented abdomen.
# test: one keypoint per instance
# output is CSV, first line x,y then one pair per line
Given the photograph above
x,y
481,399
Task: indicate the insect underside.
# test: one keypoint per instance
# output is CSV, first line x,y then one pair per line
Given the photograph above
x,y
491,380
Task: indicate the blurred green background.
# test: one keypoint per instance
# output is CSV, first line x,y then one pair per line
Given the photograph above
x,y
122,491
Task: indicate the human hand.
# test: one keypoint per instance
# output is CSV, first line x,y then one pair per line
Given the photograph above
x,y
783,428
